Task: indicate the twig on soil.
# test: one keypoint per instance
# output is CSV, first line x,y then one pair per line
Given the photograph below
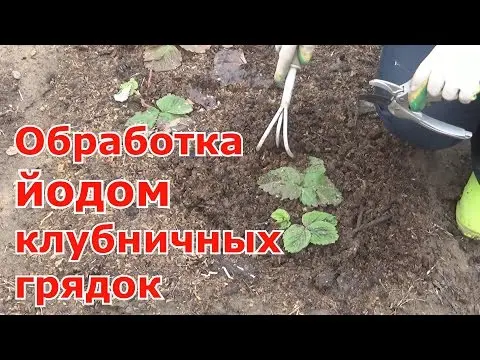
x,y
173,290
209,273
144,104
360,217
46,217
371,223
431,269
6,112
437,294
149,78
296,310
445,231
20,93
226,273
195,293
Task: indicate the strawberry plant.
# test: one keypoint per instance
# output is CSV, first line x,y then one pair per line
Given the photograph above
x,y
168,108
318,228
312,186
282,219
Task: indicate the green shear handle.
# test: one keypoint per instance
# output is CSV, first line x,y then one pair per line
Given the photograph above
x,y
418,99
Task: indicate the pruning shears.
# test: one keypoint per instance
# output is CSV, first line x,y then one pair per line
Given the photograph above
x,y
408,105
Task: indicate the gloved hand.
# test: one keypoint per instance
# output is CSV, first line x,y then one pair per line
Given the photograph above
x,y
449,72
286,56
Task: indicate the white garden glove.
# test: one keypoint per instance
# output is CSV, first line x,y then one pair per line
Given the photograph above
x,y
286,56
451,72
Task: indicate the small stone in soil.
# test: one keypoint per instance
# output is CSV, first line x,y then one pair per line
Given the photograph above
x,y
16,74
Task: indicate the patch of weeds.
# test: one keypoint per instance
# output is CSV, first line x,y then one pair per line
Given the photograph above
x,y
168,108
318,228
312,187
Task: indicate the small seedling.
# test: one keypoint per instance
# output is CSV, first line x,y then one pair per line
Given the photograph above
x,y
127,89
318,228
312,187
168,108
282,219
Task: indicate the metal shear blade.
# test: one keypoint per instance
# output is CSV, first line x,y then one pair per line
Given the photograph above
x,y
376,99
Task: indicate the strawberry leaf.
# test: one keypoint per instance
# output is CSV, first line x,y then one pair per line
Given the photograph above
x,y
284,182
296,238
322,233
174,105
314,216
282,219
148,117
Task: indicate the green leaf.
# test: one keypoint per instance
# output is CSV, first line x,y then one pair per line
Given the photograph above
x,y
313,161
284,182
328,194
167,117
313,176
282,218
317,181
284,225
174,105
296,238
313,188
309,197
280,215
323,233
148,117
315,216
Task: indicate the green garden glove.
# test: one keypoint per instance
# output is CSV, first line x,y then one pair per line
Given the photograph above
x,y
286,57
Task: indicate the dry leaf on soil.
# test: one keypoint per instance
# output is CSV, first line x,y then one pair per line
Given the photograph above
x,y
162,58
228,66
200,49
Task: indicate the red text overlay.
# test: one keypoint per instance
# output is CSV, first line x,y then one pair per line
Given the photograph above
x,y
136,141
96,196
102,288
90,194
102,239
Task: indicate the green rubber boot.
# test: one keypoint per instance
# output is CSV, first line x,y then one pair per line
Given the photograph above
x,y
468,209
